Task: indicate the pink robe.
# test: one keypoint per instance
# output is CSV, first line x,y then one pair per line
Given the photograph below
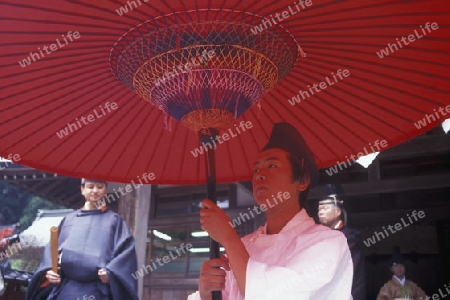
x,y
304,261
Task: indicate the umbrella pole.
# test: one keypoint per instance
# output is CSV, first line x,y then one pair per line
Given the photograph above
x,y
206,137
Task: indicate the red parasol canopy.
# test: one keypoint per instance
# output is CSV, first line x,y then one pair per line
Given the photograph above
x,y
380,99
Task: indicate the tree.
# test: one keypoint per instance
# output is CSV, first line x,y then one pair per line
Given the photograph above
x,y
30,211
12,203
17,206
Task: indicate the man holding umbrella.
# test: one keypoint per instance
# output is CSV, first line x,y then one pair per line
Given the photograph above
x,y
332,214
290,257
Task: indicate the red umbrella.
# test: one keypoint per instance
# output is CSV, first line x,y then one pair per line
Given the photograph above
x,y
380,100
372,70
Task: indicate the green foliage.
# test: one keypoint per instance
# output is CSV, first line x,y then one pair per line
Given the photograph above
x,y
17,206
27,259
12,203
30,211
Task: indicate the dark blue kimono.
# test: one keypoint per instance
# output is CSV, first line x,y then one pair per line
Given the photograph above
x,y
89,241
357,251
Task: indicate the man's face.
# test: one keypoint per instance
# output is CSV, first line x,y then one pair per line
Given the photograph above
x,y
329,214
93,191
272,173
398,270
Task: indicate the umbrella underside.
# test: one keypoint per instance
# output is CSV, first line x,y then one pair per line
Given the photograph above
x,y
74,76
204,73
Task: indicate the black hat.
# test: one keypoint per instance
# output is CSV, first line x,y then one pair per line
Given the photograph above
x,y
286,137
397,258
84,180
334,195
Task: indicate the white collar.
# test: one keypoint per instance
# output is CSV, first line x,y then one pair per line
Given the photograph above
x,y
401,281
300,222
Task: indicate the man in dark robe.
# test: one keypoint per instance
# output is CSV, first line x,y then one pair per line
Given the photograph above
x,y
332,214
96,255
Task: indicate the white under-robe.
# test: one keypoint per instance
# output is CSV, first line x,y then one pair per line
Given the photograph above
x,y
303,261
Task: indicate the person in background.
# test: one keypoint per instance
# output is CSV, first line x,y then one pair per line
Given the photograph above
x,y
97,255
288,258
3,244
5,265
332,214
399,287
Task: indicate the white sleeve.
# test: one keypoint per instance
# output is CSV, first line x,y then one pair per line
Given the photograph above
x,y
194,296
322,271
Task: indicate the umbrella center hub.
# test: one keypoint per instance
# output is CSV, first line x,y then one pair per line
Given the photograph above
x,y
204,68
